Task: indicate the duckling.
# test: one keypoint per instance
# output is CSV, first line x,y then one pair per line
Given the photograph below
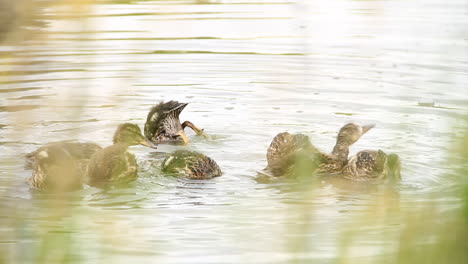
x,y
114,164
371,165
55,170
163,124
78,150
63,166
60,166
289,154
191,164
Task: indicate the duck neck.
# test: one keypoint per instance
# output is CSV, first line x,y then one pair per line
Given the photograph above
x,y
341,149
122,144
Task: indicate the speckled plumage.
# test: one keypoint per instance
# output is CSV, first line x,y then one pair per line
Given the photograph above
x,y
290,154
60,166
64,166
114,164
191,164
286,149
370,165
163,123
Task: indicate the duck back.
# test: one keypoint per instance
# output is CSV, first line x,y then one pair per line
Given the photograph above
x,y
366,165
292,154
113,164
191,164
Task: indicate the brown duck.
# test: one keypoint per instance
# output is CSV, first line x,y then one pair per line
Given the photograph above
x,y
190,164
373,165
63,166
60,166
115,164
294,154
163,124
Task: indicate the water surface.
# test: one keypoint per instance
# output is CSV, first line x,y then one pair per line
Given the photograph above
x,y
249,69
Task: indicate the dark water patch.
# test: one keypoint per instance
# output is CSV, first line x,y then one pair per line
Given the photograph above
x,y
437,106
221,18
25,63
105,106
17,108
270,82
181,84
170,38
31,97
84,32
12,142
65,129
62,232
22,73
224,53
130,95
345,114
69,121
72,16
83,106
78,54
12,90
137,118
167,52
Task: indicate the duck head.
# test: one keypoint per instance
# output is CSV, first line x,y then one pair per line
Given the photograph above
x,y
163,123
350,133
130,134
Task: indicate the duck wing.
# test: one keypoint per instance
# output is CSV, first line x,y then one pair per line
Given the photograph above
x,y
285,150
55,169
158,113
80,151
365,165
113,164
191,164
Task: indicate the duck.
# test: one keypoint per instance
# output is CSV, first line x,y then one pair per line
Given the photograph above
x,y
294,154
190,164
64,166
373,165
55,169
163,124
115,164
54,160
81,151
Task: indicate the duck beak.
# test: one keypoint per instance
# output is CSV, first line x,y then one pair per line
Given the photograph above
x,y
367,128
148,144
181,133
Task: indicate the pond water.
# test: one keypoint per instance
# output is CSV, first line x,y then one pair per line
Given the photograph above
x,y
249,70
